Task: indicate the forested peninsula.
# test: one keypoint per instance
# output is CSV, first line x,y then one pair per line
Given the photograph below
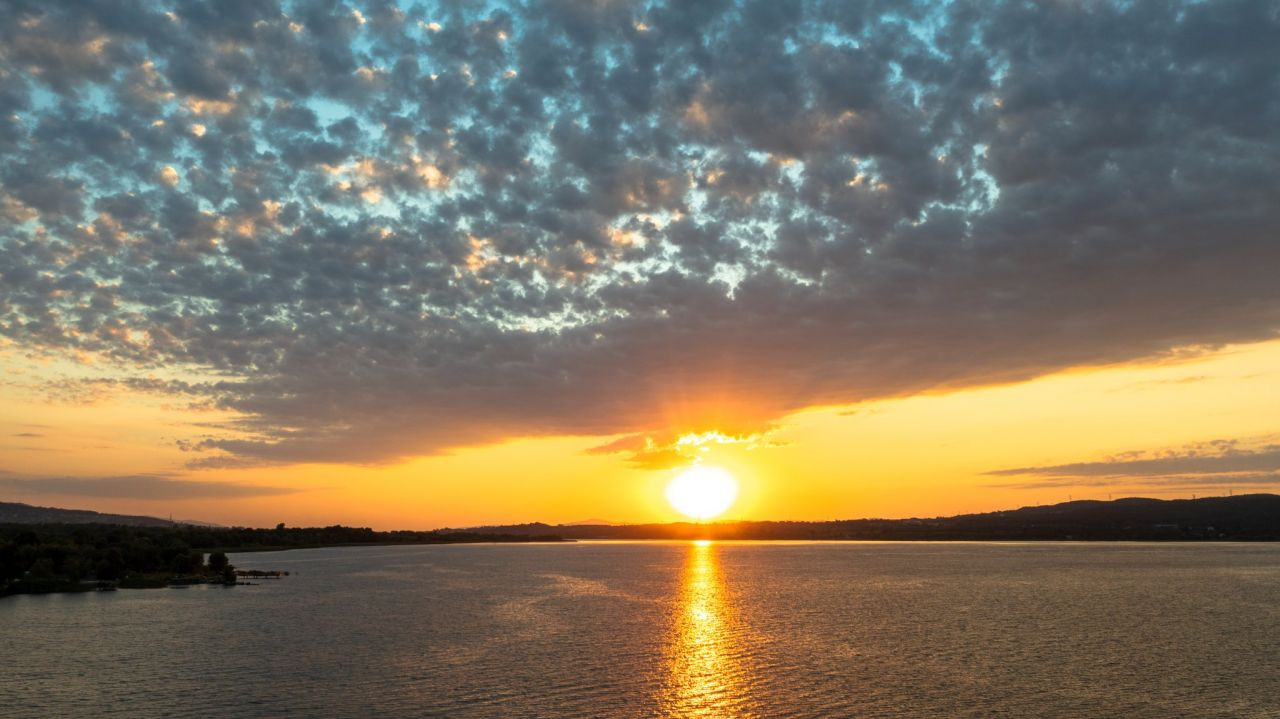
x,y
42,558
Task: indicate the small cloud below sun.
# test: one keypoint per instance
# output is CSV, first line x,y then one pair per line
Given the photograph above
x,y
671,450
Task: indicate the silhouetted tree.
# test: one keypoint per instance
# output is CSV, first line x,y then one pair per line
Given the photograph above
x,y
218,561
42,568
75,568
108,570
10,566
187,562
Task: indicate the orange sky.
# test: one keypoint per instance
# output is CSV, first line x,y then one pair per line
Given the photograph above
x,y
919,456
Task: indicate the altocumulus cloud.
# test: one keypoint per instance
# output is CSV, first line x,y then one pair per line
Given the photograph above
x,y
391,229
139,486
1217,463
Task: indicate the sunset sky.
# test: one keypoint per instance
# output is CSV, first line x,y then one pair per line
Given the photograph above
x,y
412,265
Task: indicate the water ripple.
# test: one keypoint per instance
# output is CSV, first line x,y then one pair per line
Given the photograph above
x,y
672,629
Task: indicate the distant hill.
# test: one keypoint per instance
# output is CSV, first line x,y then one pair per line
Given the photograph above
x,y
1243,517
18,513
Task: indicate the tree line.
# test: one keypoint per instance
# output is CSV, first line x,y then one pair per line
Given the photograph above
x,y
63,557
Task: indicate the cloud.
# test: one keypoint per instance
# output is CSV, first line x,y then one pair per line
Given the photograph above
x,y
1221,462
666,450
355,228
1171,482
1189,380
139,486
1263,460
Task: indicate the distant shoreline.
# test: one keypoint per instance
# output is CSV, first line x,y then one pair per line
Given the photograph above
x,y
253,549
1248,518
52,555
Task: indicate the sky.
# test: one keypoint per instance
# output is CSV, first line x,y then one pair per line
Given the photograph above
x,y
439,264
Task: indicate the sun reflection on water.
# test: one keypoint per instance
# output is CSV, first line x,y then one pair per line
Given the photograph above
x,y
706,667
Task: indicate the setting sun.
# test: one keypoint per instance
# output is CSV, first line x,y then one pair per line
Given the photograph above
x,y
702,492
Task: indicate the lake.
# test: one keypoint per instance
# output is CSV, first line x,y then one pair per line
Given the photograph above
x,y
618,629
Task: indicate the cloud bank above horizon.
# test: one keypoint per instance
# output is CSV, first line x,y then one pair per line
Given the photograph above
x,y
380,230
1218,463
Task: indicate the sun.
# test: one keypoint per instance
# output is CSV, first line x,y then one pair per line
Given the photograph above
x,y
702,492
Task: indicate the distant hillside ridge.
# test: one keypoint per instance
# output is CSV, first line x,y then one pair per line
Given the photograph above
x,y
1252,517
19,513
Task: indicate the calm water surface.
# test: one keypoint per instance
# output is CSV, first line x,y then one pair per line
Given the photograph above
x,y
672,629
